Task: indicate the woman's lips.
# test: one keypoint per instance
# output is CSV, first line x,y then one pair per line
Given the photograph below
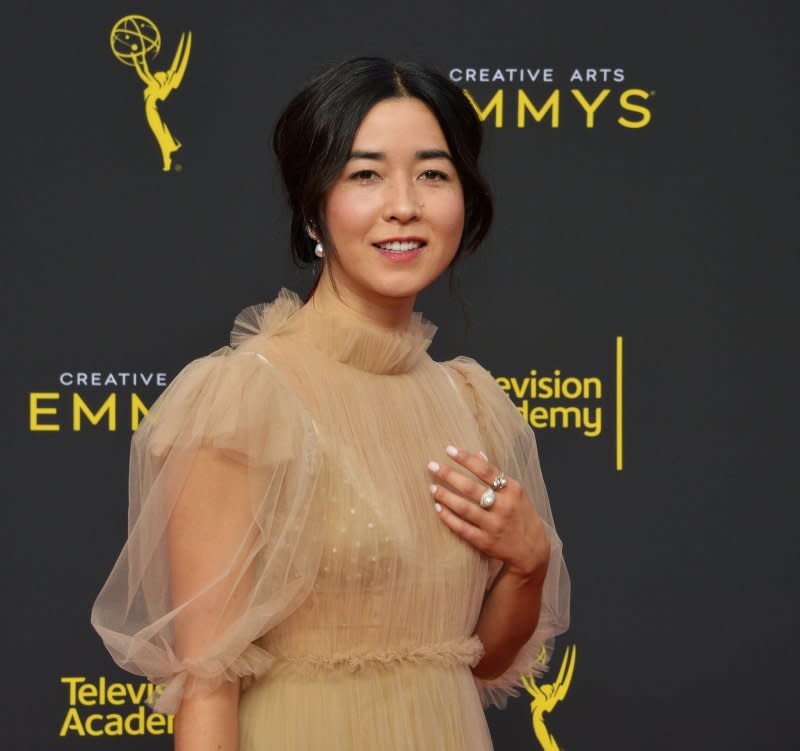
x,y
400,256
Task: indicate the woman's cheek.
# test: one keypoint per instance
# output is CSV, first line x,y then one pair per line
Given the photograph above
x,y
351,212
452,215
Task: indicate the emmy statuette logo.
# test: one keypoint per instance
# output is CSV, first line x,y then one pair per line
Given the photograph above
x,y
133,40
546,696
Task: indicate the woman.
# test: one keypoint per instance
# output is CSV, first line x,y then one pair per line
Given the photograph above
x,y
316,555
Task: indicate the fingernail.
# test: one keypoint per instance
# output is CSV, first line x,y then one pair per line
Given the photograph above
x,y
452,450
484,455
434,488
437,506
433,466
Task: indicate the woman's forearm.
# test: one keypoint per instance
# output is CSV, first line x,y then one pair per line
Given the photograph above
x,y
509,616
209,722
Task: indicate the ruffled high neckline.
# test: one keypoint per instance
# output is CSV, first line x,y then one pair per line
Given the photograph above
x,y
341,334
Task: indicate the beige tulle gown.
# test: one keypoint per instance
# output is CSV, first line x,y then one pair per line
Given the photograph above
x,y
281,530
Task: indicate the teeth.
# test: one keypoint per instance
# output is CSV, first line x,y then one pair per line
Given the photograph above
x,y
399,247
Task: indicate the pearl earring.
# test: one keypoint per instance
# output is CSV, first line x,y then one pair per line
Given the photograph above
x,y
319,251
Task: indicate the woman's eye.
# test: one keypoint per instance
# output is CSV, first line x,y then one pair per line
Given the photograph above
x,y
363,174
434,174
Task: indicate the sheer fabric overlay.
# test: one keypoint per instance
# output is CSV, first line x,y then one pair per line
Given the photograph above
x,y
510,444
281,531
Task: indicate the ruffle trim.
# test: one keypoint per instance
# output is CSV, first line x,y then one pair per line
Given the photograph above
x,y
464,651
255,661
369,346
207,676
265,317
340,334
533,658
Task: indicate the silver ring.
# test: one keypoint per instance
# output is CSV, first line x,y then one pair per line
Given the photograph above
x,y
487,499
499,482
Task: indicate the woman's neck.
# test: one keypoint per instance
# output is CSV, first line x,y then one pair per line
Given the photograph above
x,y
390,313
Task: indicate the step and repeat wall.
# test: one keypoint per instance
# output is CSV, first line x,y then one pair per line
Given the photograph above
x,y
632,299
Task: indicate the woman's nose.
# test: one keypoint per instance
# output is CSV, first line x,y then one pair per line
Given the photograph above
x,y
401,201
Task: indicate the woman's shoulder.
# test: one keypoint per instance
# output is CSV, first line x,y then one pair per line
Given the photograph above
x,y
469,372
238,389
480,387
472,380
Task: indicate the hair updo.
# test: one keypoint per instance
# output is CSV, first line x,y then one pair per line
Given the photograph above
x,y
314,135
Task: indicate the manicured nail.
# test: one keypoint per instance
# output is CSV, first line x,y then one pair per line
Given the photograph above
x,y
433,466
434,488
452,450
484,455
437,506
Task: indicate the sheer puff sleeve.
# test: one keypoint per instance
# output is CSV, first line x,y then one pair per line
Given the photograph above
x,y
222,541
511,446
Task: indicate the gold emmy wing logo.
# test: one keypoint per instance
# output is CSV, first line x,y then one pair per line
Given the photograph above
x,y
546,696
133,39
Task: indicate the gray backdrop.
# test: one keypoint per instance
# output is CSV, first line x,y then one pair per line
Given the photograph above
x,y
676,236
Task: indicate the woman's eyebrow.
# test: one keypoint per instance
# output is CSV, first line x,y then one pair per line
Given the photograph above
x,y
433,154
419,155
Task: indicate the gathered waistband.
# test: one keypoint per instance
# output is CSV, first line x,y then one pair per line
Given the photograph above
x,y
462,651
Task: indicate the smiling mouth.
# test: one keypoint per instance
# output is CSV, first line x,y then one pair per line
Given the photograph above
x,y
400,247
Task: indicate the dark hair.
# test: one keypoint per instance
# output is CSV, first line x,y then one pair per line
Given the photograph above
x,y
314,134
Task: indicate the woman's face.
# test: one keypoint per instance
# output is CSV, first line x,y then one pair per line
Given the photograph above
x,y
399,184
